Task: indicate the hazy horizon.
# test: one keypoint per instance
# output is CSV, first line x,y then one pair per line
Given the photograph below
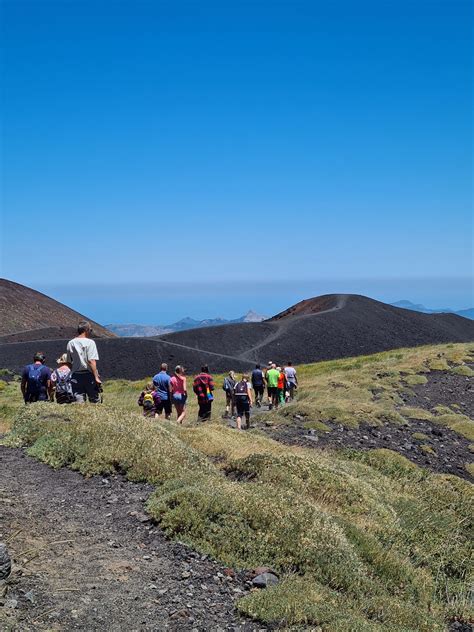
x,y
163,303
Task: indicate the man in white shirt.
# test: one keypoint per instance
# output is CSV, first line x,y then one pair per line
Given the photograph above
x,y
82,354
291,379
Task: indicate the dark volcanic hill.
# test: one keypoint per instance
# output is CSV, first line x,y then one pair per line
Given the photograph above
x,y
327,327
26,314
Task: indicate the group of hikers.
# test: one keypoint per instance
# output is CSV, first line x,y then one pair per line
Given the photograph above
x,y
165,392
76,379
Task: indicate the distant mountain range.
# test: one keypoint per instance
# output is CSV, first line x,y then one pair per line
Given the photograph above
x,y
416,307
144,331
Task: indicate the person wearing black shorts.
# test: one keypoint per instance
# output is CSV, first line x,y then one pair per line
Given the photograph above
x,y
243,401
258,385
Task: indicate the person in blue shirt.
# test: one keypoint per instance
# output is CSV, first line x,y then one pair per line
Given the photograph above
x,y
162,384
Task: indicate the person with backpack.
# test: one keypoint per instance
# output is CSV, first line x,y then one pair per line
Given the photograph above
x,y
203,387
243,401
82,355
61,385
36,380
179,393
149,400
258,384
291,380
162,384
228,386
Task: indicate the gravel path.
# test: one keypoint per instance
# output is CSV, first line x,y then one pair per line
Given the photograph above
x,y
87,558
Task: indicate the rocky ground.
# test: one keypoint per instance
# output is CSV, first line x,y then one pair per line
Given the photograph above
x,y
439,449
86,557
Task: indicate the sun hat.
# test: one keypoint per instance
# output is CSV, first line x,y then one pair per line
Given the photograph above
x,y
62,359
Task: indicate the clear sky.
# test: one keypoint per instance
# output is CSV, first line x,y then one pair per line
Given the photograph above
x,y
299,141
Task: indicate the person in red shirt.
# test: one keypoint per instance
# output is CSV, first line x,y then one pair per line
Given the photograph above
x,y
203,386
281,385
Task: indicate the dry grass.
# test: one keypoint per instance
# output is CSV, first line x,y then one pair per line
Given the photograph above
x,y
361,540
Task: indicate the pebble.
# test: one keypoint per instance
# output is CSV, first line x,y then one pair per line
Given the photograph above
x,y
264,580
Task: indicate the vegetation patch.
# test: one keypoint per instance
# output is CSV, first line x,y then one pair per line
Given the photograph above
x,y
347,532
416,413
463,370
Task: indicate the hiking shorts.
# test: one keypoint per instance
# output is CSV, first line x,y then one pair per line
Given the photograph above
x,y
258,388
164,405
242,407
84,387
272,391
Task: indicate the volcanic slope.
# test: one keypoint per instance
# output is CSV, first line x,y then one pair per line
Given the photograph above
x,y
26,314
328,327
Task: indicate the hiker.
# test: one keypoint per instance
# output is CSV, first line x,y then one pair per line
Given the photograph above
x,y
82,355
272,384
243,401
36,380
179,392
203,386
61,385
149,400
291,380
162,384
281,385
228,386
267,368
258,385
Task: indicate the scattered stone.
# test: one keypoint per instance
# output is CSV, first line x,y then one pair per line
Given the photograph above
x,y
5,562
264,580
11,603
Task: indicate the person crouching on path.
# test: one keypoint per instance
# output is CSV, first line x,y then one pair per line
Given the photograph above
x,y
179,393
82,355
149,400
162,384
61,384
229,383
243,401
36,380
203,386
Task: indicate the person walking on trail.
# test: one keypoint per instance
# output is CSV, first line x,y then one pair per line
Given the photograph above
x,y
228,386
149,400
272,384
291,380
179,393
281,385
36,380
203,386
162,384
82,355
61,385
258,384
267,368
243,401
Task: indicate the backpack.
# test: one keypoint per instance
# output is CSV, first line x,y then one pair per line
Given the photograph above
x,y
64,394
228,385
148,402
241,389
34,383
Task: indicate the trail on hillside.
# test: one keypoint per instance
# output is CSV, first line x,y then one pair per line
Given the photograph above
x,y
87,558
283,325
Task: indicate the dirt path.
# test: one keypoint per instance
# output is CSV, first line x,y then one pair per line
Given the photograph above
x,y
282,327
86,558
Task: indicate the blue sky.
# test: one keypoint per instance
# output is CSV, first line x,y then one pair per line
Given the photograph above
x,y
300,142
